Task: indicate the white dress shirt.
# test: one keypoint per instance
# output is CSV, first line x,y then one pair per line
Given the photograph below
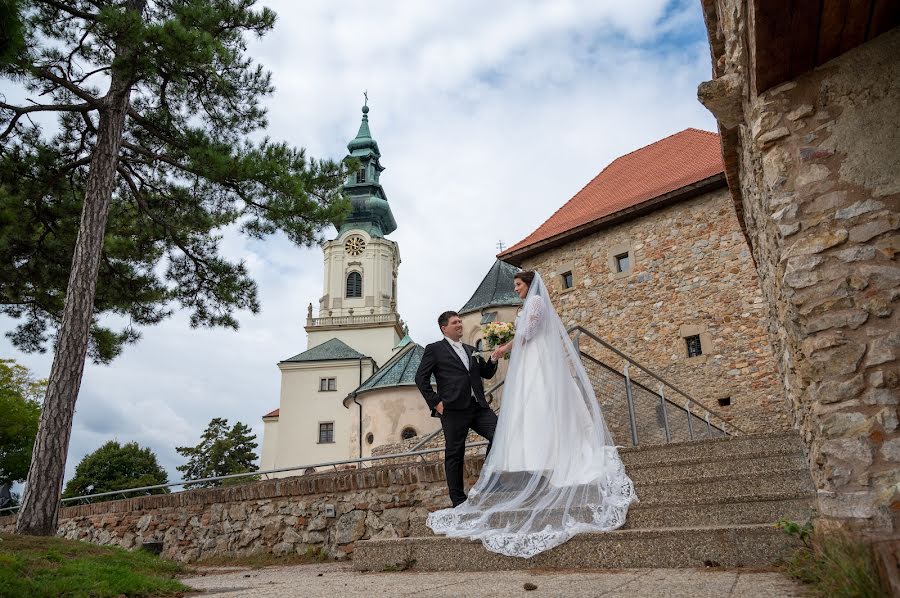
x,y
460,350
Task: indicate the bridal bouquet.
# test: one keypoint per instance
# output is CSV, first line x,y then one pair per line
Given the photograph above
x,y
498,333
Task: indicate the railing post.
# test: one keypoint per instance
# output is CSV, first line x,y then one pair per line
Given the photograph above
x,y
662,405
687,410
630,399
708,428
577,341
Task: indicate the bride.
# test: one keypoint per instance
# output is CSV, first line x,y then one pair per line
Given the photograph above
x,y
553,470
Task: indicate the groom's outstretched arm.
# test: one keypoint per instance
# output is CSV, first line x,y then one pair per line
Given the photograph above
x,y
423,379
487,368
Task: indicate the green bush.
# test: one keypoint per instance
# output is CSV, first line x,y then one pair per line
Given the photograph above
x,y
835,565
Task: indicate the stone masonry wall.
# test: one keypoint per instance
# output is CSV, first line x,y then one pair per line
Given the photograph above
x,y
691,273
283,516
819,181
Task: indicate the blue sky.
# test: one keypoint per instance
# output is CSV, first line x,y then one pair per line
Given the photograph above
x,y
489,117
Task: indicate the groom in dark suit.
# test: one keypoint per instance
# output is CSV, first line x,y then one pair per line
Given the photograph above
x,y
459,400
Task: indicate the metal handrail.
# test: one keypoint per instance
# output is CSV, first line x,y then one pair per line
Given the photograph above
x,y
256,473
633,382
580,330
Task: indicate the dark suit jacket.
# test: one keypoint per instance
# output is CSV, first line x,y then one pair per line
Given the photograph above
x,y
455,384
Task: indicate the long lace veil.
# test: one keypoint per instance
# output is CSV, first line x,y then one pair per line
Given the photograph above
x,y
553,470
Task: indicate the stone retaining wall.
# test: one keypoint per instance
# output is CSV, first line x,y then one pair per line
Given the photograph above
x,y
282,516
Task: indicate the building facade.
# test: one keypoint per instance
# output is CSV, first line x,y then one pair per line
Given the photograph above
x,y
357,328
807,97
650,257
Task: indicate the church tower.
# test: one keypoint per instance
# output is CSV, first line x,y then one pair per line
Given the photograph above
x,y
359,304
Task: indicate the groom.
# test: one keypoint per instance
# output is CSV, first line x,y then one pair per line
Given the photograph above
x,y
459,400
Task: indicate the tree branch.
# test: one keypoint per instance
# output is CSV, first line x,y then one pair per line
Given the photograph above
x,y
22,110
65,7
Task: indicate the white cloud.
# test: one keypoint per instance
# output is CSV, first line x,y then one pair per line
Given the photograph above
x,y
489,117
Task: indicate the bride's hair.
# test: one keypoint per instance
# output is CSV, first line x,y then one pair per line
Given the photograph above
x,y
526,276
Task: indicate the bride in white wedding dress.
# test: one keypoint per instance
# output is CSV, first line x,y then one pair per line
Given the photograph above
x,y
553,470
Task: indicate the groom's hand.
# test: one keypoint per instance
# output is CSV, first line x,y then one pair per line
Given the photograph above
x,y
440,408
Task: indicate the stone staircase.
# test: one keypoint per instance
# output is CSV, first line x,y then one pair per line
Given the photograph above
x,y
702,503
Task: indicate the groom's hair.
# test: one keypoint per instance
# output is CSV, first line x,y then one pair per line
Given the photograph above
x,y
444,318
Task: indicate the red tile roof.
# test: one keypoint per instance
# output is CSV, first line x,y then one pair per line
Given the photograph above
x,y
271,414
647,173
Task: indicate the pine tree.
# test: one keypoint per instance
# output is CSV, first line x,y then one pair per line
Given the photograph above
x,y
116,466
119,207
223,450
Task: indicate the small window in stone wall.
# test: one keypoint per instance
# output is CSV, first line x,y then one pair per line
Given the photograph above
x,y
370,438
694,348
623,264
326,384
725,402
309,470
408,433
567,280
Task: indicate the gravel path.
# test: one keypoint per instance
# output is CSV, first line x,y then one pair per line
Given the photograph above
x,y
338,580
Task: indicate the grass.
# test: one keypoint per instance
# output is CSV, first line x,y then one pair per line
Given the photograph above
x,y
264,559
48,566
834,565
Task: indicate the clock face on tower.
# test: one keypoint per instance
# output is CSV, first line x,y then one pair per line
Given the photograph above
x,y
355,245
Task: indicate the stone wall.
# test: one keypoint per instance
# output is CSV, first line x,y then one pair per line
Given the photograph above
x,y
816,165
282,516
692,273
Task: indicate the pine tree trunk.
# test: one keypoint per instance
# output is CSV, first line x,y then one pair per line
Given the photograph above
x,y
40,504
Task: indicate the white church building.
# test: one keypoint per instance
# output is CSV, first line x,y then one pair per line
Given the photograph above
x,y
353,388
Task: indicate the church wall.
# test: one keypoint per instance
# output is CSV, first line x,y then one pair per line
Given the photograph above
x,y
270,443
691,274
377,265
303,407
377,343
385,415
817,163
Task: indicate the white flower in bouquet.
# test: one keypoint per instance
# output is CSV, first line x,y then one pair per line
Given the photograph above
x,y
498,333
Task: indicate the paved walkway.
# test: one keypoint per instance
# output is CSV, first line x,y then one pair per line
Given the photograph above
x,y
338,580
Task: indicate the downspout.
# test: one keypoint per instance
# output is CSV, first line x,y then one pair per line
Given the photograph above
x,y
358,404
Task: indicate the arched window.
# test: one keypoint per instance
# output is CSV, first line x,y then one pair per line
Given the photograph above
x,y
354,284
408,433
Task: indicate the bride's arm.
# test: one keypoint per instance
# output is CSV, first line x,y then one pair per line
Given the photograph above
x,y
534,316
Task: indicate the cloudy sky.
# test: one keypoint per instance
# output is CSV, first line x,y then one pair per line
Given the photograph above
x,y
489,116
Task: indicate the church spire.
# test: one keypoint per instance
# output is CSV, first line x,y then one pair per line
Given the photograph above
x,y
370,209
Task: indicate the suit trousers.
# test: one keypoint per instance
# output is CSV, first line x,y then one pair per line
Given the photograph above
x,y
456,424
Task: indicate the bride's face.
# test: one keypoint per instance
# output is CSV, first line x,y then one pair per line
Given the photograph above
x,y
521,288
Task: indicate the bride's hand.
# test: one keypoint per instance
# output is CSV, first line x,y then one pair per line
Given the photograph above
x,y
498,353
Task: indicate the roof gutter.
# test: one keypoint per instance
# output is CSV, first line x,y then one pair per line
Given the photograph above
x,y
516,257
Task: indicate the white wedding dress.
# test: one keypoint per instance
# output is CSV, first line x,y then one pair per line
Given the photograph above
x,y
553,470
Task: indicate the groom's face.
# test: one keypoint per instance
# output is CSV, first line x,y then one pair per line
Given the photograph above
x,y
454,328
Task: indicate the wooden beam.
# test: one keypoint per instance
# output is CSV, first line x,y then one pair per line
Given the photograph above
x,y
772,32
857,22
805,34
885,16
831,29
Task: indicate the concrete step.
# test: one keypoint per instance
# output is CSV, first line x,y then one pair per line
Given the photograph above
x,y
752,486
687,513
725,449
725,546
702,468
